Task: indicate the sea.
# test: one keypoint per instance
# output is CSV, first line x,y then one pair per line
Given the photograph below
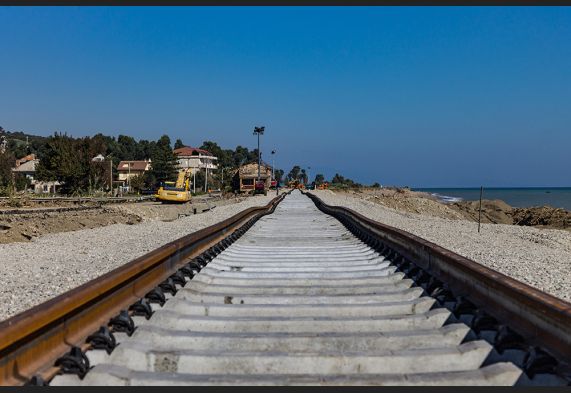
x,y
559,197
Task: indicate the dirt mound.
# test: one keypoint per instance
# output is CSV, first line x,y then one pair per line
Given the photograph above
x,y
493,211
542,216
408,201
24,227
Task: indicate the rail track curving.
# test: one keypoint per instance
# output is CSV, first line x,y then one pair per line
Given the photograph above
x,y
296,292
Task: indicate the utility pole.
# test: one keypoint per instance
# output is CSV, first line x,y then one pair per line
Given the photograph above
x,y
205,178
273,164
259,131
480,212
111,176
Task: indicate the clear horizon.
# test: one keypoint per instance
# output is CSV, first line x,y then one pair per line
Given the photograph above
x,y
411,96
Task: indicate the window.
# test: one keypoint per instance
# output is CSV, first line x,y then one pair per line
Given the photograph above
x,y
247,182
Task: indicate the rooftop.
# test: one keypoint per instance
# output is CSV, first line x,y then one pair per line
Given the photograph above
x,y
192,151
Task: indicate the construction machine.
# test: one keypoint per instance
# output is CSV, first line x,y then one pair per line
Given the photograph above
x,y
179,192
260,187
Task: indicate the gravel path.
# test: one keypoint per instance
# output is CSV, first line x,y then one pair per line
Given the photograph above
x,y
55,263
538,257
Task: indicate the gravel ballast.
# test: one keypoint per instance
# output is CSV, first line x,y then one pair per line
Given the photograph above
x,y
538,257
50,265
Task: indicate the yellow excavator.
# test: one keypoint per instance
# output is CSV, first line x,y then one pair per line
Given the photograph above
x,y
179,192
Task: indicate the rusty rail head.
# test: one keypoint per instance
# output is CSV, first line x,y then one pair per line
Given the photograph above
x,y
32,340
540,318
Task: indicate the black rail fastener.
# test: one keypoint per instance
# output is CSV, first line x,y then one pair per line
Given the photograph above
x,y
123,323
483,321
178,278
36,380
168,286
201,261
506,338
431,285
74,362
195,266
537,361
102,339
156,295
142,308
187,271
463,306
442,294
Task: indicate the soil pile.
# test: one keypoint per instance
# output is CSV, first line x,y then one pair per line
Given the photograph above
x,y
25,227
543,216
493,211
403,199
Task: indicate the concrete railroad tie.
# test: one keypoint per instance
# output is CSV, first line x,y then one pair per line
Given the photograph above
x,y
297,300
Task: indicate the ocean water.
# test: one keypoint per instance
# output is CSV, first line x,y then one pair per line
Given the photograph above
x,y
517,197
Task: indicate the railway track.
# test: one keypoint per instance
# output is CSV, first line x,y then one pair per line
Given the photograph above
x,y
303,297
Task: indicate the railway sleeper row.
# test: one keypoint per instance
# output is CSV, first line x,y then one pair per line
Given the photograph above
x,y
76,361
539,366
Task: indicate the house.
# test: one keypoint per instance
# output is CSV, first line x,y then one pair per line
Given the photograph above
x,y
196,159
26,166
128,169
246,176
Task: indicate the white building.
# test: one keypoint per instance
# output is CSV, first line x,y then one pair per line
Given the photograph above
x,y
27,166
196,159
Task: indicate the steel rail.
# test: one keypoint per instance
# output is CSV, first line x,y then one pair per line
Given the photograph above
x,y
31,341
541,319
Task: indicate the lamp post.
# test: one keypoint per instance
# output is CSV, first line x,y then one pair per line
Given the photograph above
x,y
110,176
273,164
259,131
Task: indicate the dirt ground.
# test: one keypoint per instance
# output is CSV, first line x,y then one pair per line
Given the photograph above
x,y
24,227
33,221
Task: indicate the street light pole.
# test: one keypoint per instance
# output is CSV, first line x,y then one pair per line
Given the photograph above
x,y
111,176
259,131
273,164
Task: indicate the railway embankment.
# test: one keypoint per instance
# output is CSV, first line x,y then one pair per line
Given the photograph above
x,y
53,263
538,257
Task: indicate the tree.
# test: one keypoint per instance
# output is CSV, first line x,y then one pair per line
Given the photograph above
x,y
278,174
338,179
21,182
62,162
178,144
240,156
294,173
319,179
127,147
138,182
303,176
376,185
7,160
69,161
164,161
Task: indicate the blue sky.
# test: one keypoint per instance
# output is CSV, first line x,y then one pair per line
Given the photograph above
x,y
418,96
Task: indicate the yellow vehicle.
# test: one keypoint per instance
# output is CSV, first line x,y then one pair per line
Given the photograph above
x,y
178,192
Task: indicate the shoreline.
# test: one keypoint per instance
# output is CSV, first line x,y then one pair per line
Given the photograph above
x,y
517,197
